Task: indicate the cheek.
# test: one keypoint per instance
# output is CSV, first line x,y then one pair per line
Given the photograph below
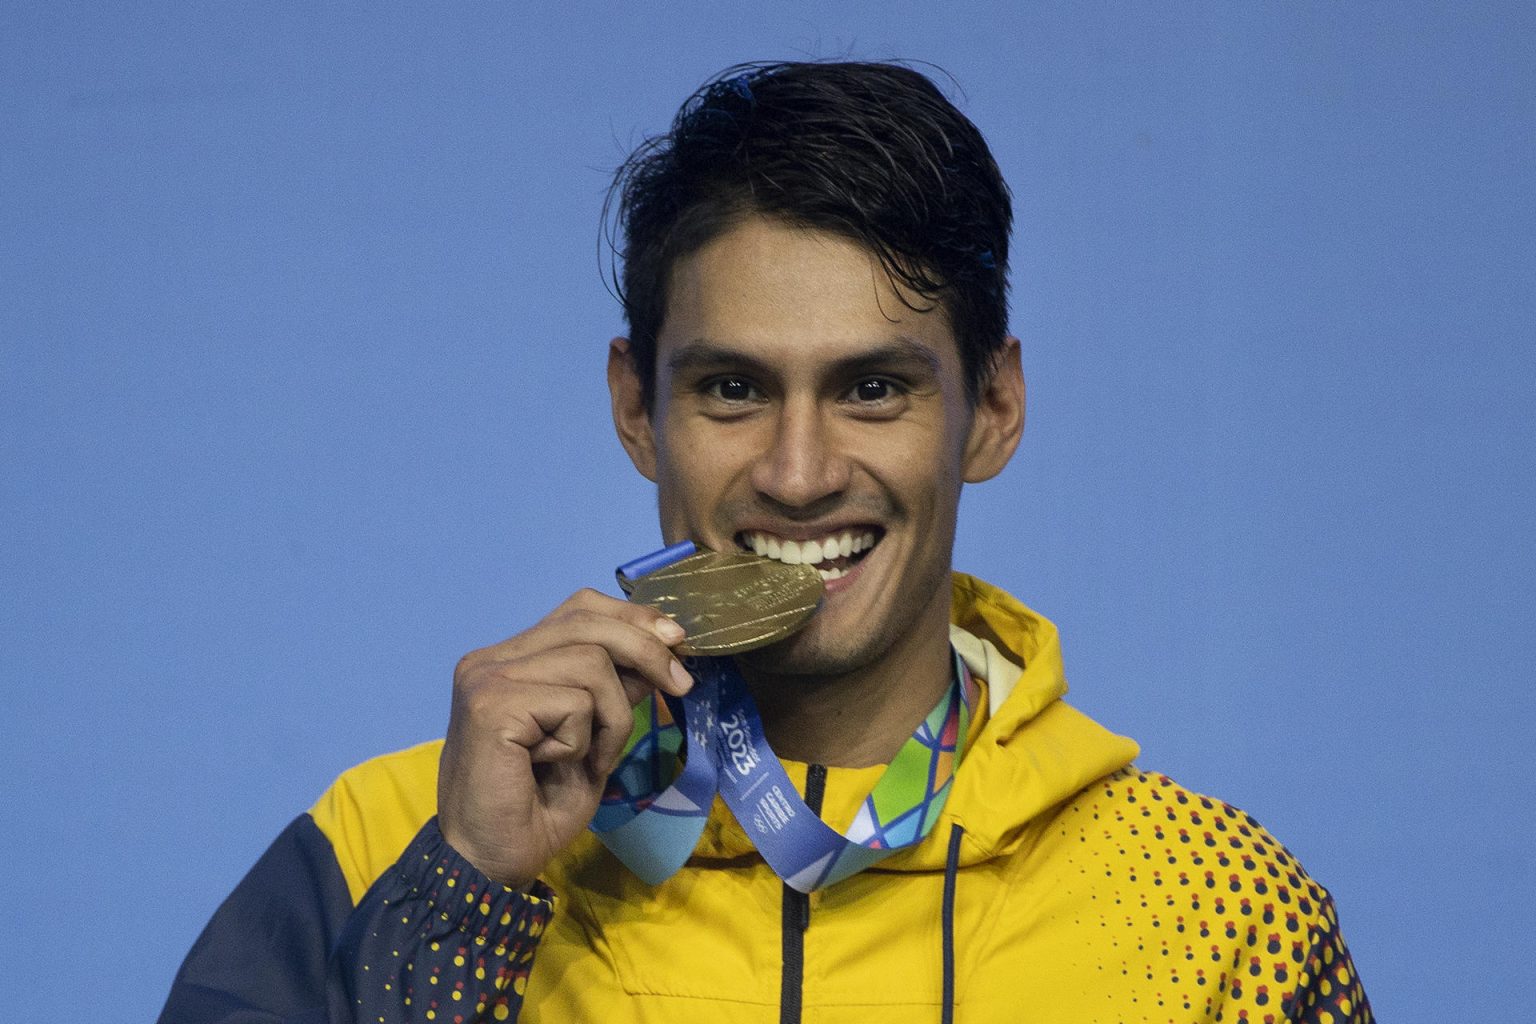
x,y
927,468
691,478
705,457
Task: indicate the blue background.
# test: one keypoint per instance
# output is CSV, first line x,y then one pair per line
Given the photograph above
x,y
301,397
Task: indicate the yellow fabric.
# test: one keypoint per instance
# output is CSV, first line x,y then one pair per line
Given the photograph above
x,y
1083,893
374,810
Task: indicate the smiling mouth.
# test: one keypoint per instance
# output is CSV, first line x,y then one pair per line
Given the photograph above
x,y
833,555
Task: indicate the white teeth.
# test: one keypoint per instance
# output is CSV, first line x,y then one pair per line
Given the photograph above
x,y
809,552
832,574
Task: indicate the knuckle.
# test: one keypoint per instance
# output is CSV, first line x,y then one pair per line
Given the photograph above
x,y
479,702
472,676
584,600
468,664
593,658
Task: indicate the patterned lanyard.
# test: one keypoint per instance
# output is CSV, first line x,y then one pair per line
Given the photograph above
x,y
652,813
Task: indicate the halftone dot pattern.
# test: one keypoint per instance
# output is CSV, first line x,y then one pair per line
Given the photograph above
x,y
1201,908
446,943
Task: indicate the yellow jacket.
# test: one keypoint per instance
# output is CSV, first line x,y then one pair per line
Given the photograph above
x,y
1084,890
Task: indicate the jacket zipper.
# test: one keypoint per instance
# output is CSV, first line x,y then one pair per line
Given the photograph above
x,y
797,915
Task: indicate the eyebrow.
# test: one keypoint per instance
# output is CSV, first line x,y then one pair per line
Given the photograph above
x,y
902,352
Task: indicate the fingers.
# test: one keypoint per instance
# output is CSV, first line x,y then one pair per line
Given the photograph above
x,y
639,653
563,690
595,721
587,607
564,704
647,620
637,639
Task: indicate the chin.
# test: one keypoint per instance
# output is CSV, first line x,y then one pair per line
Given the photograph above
x,y
806,654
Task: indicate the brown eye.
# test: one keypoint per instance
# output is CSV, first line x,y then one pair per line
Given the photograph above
x,y
732,389
874,390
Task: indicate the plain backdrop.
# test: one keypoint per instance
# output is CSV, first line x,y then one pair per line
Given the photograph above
x,y
302,325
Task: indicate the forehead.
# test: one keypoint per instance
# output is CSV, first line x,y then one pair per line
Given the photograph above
x,y
796,298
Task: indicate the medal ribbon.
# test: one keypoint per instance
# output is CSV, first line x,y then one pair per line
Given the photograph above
x,y
651,815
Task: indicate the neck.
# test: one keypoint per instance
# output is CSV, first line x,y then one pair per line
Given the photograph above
x,y
859,718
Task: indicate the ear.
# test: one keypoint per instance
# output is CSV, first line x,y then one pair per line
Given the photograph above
x,y
630,417
998,420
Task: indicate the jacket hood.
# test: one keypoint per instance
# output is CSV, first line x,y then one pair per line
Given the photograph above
x,y
1028,754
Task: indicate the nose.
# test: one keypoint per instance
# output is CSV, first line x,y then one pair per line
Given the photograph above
x,y
802,464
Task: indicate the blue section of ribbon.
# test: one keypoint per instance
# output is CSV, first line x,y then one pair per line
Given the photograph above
x,y
656,560
797,844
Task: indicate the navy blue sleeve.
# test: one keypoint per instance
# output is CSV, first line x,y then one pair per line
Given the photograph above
x,y
432,934
1331,992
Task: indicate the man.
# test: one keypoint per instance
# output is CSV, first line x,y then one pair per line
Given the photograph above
x,y
814,277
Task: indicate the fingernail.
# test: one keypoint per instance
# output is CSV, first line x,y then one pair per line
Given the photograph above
x,y
668,630
682,677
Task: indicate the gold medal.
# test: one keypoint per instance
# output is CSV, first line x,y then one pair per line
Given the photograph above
x,y
730,602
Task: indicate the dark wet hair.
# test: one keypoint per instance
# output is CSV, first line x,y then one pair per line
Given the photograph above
x,y
872,152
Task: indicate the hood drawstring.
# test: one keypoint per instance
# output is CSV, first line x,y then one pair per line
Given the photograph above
x,y
951,877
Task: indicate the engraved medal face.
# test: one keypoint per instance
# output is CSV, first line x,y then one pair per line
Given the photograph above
x,y
730,602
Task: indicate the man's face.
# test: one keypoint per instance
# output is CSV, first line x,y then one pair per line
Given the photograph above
x,y
804,411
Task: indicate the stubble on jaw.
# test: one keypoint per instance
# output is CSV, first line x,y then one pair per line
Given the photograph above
x,y
854,708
